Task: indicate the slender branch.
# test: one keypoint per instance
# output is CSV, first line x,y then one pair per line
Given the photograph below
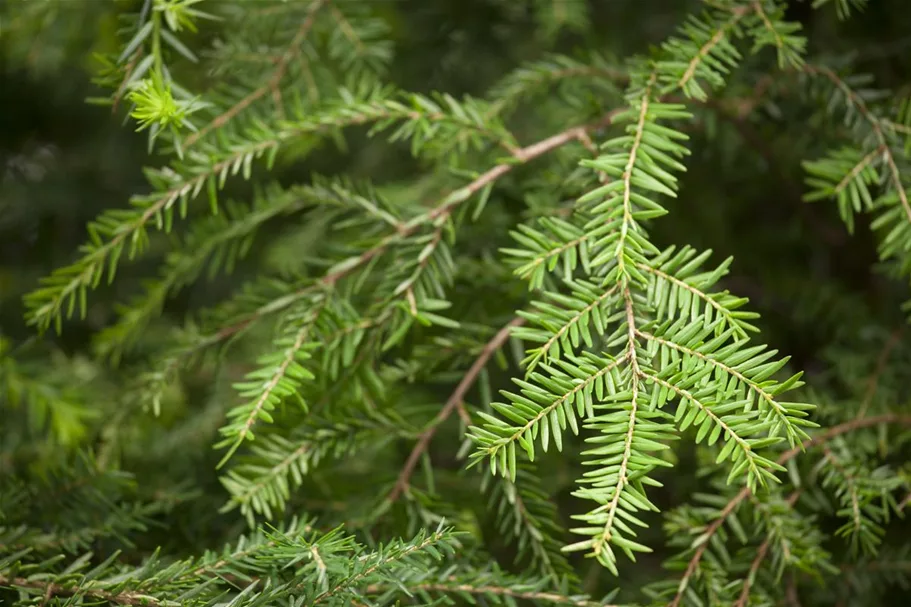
x,y
875,124
714,41
528,595
873,381
522,155
751,385
628,178
851,482
858,169
565,397
281,68
576,318
744,599
719,309
819,439
451,405
749,454
51,590
271,385
622,476
350,581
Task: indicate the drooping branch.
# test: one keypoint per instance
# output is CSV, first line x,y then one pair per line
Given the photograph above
x,y
528,595
744,598
281,68
875,124
445,208
881,362
455,401
52,590
820,439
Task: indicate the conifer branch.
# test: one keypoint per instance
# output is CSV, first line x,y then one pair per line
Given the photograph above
x,y
881,361
756,471
281,66
875,124
707,48
497,444
755,387
744,598
548,597
627,222
53,590
852,489
454,401
219,240
441,211
269,389
820,439
380,561
68,286
602,543
857,170
369,296
525,516
727,312
262,483
575,322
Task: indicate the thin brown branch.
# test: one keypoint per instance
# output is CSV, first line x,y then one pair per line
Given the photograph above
x,y
873,381
549,597
121,90
270,86
607,531
52,590
458,396
521,156
744,599
819,439
877,126
791,595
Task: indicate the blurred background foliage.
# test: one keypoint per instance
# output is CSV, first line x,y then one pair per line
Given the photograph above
x,y
823,297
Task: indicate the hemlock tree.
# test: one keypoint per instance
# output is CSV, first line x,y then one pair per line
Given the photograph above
x,y
435,282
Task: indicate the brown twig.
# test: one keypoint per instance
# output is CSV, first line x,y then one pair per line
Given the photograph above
x,y
744,599
875,124
458,396
503,591
791,595
520,156
819,439
270,86
118,95
54,590
873,381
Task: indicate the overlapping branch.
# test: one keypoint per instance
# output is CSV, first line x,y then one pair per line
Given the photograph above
x,y
453,403
816,441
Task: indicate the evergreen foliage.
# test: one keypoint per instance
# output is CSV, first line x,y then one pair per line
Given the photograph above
x,y
368,337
